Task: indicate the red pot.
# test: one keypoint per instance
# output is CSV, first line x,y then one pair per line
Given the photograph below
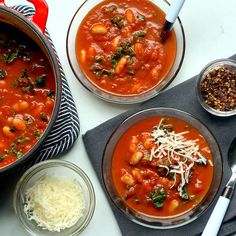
x,y
35,28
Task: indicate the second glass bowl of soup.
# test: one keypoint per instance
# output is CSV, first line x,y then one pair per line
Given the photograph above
x,y
162,168
115,49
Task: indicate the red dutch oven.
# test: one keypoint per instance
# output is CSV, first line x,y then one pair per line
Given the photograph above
x,y
34,27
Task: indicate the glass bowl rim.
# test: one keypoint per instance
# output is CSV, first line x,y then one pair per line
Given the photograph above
x,y
209,67
119,98
204,201
23,180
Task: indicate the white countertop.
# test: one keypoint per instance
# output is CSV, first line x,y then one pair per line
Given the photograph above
x,y
210,34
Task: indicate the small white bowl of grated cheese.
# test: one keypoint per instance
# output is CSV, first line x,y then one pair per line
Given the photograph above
x,y
54,198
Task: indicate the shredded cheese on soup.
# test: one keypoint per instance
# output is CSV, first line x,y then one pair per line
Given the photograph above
x,y
54,203
181,154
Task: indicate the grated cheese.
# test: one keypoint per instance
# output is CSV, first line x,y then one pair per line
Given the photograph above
x,y
181,154
54,203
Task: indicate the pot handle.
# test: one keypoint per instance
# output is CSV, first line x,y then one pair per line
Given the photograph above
x,y
41,13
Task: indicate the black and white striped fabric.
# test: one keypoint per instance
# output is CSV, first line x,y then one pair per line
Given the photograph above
x,y
67,127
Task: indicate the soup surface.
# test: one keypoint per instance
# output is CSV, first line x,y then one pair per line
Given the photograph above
x,y
118,46
27,88
162,166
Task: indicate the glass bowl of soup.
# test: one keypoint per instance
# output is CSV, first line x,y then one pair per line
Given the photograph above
x,y
162,168
116,52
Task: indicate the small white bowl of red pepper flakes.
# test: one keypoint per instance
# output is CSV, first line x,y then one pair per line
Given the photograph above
x,y
216,87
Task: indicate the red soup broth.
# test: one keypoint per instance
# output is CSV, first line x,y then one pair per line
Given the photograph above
x,y
144,184
27,87
118,46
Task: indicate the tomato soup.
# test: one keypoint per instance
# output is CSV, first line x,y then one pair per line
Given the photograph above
x,y
118,46
162,167
27,88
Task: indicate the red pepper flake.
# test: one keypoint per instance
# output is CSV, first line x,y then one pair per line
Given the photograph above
x,y
218,88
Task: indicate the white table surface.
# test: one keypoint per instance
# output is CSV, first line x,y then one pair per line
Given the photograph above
x,y
210,34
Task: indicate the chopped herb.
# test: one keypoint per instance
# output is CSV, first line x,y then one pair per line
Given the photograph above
x,y
41,80
104,72
158,196
25,73
97,73
28,119
125,49
96,67
43,117
168,129
139,34
10,56
99,59
51,94
183,193
14,51
118,21
19,154
22,140
3,74
109,73
141,18
171,176
37,134
161,171
116,18
14,146
12,129
23,53
116,57
13,149
4,155
28,89
25,82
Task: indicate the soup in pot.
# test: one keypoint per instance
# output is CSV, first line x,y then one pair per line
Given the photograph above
x,y
27,93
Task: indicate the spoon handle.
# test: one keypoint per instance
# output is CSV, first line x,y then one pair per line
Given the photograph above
x,y
174,10
213,225
171,16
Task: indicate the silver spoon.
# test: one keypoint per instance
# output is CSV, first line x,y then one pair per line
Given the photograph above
x,y
213,225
